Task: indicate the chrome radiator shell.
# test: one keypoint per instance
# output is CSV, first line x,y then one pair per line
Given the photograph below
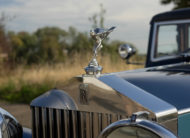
x,y
95,105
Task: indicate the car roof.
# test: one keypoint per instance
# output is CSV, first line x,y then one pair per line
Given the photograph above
x,y
180,14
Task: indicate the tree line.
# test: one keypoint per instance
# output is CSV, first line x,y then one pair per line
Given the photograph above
x,y
54,44
48,45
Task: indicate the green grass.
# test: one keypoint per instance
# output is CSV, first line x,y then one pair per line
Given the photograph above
x,y
25,93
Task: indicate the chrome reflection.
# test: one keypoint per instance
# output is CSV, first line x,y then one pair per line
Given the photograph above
x,y
184,111
140,128
126,51
163,112
98,34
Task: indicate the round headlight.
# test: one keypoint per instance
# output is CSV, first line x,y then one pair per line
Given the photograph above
x,y
138,129
125,51
132,131
9,126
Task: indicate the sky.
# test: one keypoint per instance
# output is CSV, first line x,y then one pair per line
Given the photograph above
x,y
131,17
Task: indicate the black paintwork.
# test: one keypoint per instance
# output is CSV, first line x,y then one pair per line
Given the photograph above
x,y
27,133
172,84
179,14
182,14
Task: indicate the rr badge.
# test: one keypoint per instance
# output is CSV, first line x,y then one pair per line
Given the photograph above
x,y
83,97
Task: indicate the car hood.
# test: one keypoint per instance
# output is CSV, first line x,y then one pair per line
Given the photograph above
x,y
171,84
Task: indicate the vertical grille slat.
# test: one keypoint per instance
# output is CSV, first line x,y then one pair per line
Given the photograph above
x,y
81,125
51,128
109,119
99,122
58,119
91,125
88,125
74,123
114,118
95,124
33,122
44,123
59,123
66,123
37,122
104,121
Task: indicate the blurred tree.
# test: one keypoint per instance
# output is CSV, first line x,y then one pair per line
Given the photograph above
x,y
4,44
51,43
79,42
45,45
177,3
23,48
82,43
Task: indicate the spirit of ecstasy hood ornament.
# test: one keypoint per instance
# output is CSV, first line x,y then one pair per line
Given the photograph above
x,y
98,35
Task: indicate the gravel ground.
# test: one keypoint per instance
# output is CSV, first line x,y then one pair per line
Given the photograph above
x,y
20,111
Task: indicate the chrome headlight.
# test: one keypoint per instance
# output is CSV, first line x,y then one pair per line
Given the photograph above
x,y
136,128
126,51
9,126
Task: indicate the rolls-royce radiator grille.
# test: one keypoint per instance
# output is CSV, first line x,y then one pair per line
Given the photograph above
x,y
59,123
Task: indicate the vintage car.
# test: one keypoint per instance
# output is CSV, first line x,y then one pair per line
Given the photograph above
x,y
144,103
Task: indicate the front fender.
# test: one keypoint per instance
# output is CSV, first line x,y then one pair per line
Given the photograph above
x,y
27,133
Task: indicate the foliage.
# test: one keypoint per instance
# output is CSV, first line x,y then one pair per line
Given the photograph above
x,y
49,46
4,44
23,83
178,4
25,93
53,45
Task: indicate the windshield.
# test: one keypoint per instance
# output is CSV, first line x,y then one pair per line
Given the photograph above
x,y
172,39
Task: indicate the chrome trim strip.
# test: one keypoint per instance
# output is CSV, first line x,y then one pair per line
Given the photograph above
x,y
159,107
154,38
184,111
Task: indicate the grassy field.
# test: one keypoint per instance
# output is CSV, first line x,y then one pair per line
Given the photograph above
x,y
25,83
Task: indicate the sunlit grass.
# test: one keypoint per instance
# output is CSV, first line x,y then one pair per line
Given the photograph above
x,y
25,83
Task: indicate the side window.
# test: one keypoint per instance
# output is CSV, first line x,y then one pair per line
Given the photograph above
x,y
167,42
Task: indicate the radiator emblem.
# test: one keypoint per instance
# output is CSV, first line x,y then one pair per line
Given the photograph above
x,y
83,97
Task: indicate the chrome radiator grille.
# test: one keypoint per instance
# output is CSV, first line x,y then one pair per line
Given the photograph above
x,y
59,123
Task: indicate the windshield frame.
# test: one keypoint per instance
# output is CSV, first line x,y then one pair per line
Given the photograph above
x,y
154,37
